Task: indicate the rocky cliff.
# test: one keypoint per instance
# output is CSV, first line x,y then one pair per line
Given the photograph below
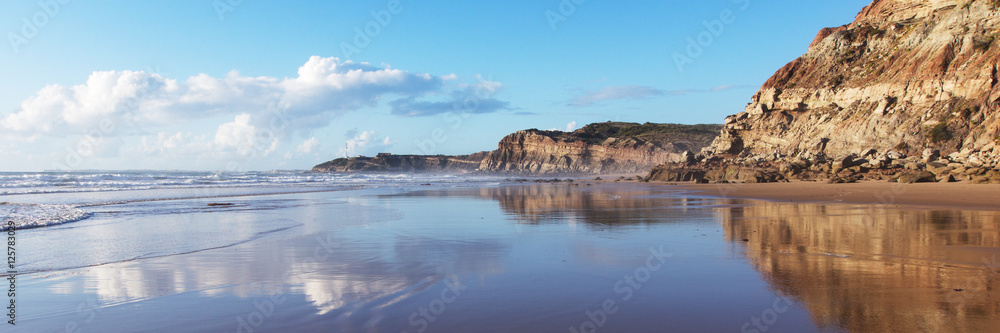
x,y
404,163
600,148
908,82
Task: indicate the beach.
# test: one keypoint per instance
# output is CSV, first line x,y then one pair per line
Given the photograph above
x,y
491,255
921,195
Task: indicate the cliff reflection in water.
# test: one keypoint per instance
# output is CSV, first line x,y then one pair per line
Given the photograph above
x,y
866,269
594,206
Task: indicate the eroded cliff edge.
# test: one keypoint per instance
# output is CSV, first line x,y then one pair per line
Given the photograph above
x,y
909,87
601,148
404,164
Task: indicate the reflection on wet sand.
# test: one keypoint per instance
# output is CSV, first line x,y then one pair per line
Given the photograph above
x,y
351,276
384,257
597,206
869,269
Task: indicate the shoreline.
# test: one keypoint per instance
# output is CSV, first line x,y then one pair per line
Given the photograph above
x,y
984,197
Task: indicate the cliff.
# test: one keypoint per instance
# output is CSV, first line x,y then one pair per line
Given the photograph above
x,y
905,76
907,84
600,148
404,163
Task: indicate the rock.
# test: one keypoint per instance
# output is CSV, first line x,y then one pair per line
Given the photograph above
x,y
867,152
914,165
931,155
844,179
974,171
975,161
895,155
939,168
688,157
600,148
882,82
916,177
984,180
789,169
404,163
947,179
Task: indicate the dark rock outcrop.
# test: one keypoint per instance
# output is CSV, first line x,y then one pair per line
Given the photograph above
x,y
404,163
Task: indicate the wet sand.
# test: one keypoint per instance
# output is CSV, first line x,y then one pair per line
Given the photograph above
x,y
925,195
610,257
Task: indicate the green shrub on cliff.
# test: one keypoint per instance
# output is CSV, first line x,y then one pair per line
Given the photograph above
x,y
939,133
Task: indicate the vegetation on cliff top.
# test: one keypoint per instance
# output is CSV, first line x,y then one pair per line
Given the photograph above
x,y
649,132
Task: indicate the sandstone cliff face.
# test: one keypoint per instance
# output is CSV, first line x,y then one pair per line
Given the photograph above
x,y
404,163
905,76
600,148
594,149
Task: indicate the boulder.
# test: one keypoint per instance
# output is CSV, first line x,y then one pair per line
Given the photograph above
x,y
931,155
916,177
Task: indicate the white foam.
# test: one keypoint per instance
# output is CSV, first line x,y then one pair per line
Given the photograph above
x,y
90,181
26,216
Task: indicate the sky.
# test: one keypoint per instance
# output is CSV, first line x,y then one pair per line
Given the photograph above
x,y
244,85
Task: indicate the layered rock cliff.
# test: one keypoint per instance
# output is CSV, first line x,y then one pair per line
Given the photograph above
x,y
600,148
908,83
404,163
905,76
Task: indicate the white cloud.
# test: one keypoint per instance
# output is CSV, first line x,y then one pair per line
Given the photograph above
x,y
366,143
244,138
308,146
571,126
140,116
324,88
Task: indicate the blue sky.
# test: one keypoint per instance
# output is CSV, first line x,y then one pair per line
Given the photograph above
x,y
259,85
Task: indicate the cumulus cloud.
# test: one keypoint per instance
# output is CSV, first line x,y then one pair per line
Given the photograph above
x,y
235,139
571,126
308,146
137,114
366,143
324,88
